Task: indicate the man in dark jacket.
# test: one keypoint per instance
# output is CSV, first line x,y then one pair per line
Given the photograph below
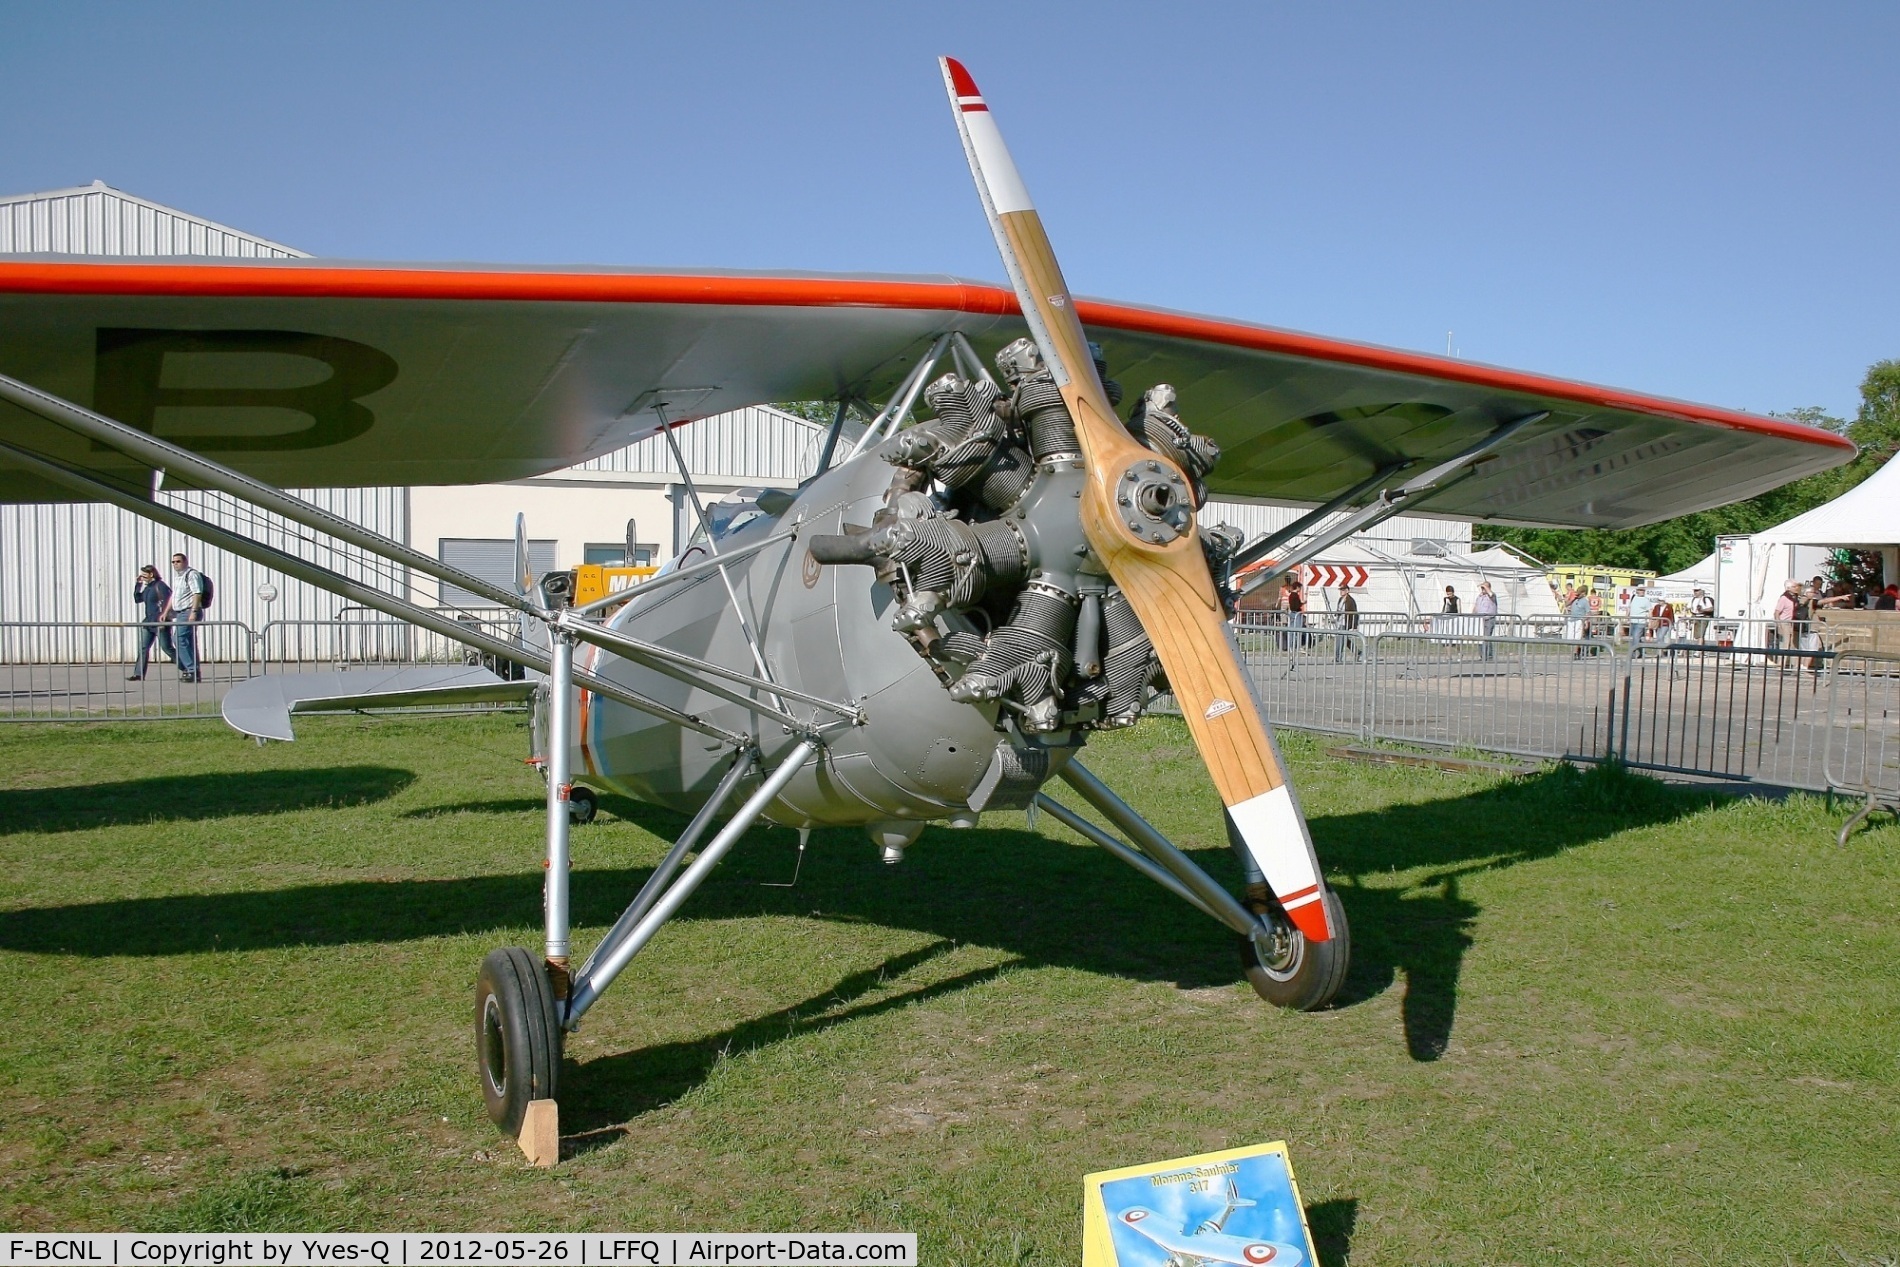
x,y
151,594
1348,609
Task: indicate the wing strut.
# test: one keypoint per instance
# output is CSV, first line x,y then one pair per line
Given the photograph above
x,y
1395,501
1266,545
336,583
163,456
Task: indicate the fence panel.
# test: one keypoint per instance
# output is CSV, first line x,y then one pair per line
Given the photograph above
x,y
1311,679
1863,748
52,671
1732,712
1524,696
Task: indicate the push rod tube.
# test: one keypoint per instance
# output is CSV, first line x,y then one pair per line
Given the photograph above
x,y
160,453
610,965
336,583
742,764
1089,831
1219,903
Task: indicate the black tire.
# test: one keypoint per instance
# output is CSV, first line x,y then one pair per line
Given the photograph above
x,y
1305,976
582,804
517,1036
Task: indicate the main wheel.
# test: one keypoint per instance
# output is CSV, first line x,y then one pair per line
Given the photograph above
x,y
517,1035
1292,972
582,804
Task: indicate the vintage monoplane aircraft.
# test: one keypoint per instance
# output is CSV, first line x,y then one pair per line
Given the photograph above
x,y
930,627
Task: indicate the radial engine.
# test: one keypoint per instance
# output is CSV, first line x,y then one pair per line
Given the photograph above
x,y
981,539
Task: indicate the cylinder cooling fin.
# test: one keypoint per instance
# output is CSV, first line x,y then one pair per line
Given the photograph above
x,y
980,538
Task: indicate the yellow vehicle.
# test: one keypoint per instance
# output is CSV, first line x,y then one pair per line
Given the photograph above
x,y
1599,577
594,581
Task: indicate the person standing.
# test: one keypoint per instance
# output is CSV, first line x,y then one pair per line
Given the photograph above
x,y
1348,608
151,594
1485,608
1293,604
1640,604
1782,635
1805,635
1662,621
1577,622
184,610
1889,599
1451,602
1701,610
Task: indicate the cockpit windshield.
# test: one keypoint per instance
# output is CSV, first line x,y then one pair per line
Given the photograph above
x,y
743,506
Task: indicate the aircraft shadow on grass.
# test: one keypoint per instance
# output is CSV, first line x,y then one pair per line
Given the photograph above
x,y
1035,897
174,798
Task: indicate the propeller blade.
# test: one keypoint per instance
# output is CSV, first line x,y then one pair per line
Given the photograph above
x,y
1145,536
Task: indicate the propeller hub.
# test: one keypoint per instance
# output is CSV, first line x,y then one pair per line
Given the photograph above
x,y
1154,502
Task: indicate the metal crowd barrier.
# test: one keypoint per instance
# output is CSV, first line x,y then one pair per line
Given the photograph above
x,y
81,671
1863,743
60,671
1739,713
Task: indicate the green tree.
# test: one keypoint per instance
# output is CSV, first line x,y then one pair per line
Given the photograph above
x,y
1676,543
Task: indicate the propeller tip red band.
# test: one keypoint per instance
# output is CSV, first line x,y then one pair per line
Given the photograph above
x,y
1311,921
960,78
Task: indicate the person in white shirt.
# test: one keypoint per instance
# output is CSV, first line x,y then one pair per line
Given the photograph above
x,y
1485,608
1701,609
184,610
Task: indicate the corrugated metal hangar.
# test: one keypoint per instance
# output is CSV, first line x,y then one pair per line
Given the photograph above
x,y
69,563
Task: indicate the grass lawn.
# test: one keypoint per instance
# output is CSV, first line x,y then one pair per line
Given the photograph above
x,y
1591,1017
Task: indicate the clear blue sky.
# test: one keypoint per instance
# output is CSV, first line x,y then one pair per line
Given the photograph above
x,y
1696,200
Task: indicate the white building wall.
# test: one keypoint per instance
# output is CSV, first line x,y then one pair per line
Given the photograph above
x,y
1397,532
747,448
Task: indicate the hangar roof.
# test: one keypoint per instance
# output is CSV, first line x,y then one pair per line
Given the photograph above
x,y
97,219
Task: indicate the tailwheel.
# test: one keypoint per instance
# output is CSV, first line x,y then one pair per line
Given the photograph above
x,y
1289,971
517,1035
582,804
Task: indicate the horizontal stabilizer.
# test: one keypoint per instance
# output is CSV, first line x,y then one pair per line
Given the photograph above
x,y
263,705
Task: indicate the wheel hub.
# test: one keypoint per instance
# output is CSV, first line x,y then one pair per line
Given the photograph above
x,y
494,1048
1279,946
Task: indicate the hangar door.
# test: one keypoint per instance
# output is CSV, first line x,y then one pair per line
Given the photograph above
x,y
492,559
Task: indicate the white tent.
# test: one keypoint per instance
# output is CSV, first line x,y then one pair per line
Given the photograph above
x,y
1865,517
1681,585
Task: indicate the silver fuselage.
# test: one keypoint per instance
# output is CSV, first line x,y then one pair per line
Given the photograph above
x,y
917,756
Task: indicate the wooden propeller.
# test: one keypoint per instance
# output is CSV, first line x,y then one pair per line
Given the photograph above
x,y
1145,535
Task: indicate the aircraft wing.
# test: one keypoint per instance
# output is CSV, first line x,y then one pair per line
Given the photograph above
x,y
1209,1247
312,373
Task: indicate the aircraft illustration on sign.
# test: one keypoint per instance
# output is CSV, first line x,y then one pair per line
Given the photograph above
x,y
1210,1243
1003,558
